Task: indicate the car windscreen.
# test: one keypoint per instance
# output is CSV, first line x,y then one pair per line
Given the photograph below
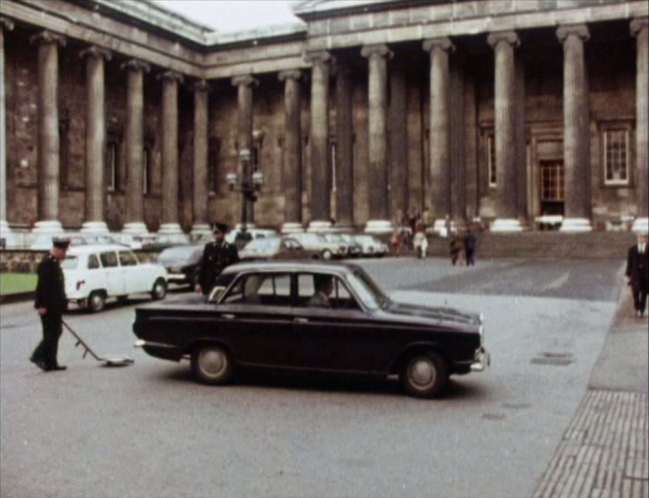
x,y
368,291
70,263
180,253
263,245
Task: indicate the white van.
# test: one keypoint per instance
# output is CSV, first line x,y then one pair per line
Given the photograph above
x,y
95,273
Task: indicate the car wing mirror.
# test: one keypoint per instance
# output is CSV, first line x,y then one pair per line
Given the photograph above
x,y
215,294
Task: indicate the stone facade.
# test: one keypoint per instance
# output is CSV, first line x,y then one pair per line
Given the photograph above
x,y
498,110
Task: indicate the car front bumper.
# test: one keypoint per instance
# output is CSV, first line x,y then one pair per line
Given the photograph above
x,y
481,360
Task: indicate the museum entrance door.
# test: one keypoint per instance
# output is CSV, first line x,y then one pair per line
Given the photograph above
x,y
552,187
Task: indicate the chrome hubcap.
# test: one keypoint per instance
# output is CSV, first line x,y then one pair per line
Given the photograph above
x,y
212,362
422,373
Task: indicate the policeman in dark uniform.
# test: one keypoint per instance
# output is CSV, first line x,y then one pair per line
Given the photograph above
x,y
216,256
50,303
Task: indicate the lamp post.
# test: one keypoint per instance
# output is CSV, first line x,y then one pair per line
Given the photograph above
x,y
249,183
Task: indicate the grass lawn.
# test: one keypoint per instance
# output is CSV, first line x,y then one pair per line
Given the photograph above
x,y
10,283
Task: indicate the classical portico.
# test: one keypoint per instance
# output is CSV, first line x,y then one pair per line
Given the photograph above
x,y
359,122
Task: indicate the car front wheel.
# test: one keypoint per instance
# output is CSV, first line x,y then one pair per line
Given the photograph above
x,y
159,290
424,374
211,364
326,254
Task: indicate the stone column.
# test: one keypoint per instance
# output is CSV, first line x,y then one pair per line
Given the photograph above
x,y
439,139
398,126
48,132
319,142
170,225
503,43
292,152
576,143
200,203
95,139
377,56
639,30
344,150
5,231
244,85
135,146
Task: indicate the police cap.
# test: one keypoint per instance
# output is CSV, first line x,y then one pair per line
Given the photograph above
x,y
61,243
220,227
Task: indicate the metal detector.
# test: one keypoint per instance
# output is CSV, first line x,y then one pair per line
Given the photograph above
x,y
109,361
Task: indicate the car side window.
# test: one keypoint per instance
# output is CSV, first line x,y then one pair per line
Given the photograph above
x,y
261,288
324,291
93,262
108,259
127,258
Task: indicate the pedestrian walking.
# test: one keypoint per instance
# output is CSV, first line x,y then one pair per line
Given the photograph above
x,y
50,304
420,243
456,245
637,273
469,247
217,256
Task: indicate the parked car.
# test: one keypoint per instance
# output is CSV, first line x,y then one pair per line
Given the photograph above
x,y
240,238
43,242
371,246
133,241
95,273
182,264
318,243
276,248
352,249
262,315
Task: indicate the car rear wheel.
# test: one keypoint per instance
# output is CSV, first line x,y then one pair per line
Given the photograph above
x,y
211,364
96,301
159,290
424,374
326,254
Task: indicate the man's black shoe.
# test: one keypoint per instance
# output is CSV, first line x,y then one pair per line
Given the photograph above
x,y
40,364
58,367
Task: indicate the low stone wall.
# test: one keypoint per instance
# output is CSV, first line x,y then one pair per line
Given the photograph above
x,y
26,261
554,245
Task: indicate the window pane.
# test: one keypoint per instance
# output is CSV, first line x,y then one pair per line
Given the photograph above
x,y
127,258
108,259
93,262
70,263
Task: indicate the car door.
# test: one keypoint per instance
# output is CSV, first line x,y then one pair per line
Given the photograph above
x,y
131,272
338,338
112,273
256,318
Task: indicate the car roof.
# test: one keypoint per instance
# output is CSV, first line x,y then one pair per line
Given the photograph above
x,y
293,266
78,250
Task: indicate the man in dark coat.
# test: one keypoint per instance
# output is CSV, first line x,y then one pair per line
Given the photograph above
x,y
216,256
637,273
50,303
469,247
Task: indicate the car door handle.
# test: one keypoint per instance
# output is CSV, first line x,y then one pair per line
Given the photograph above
x,y
301,320
228,316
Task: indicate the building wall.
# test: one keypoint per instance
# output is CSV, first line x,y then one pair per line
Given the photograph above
x,y
610,58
